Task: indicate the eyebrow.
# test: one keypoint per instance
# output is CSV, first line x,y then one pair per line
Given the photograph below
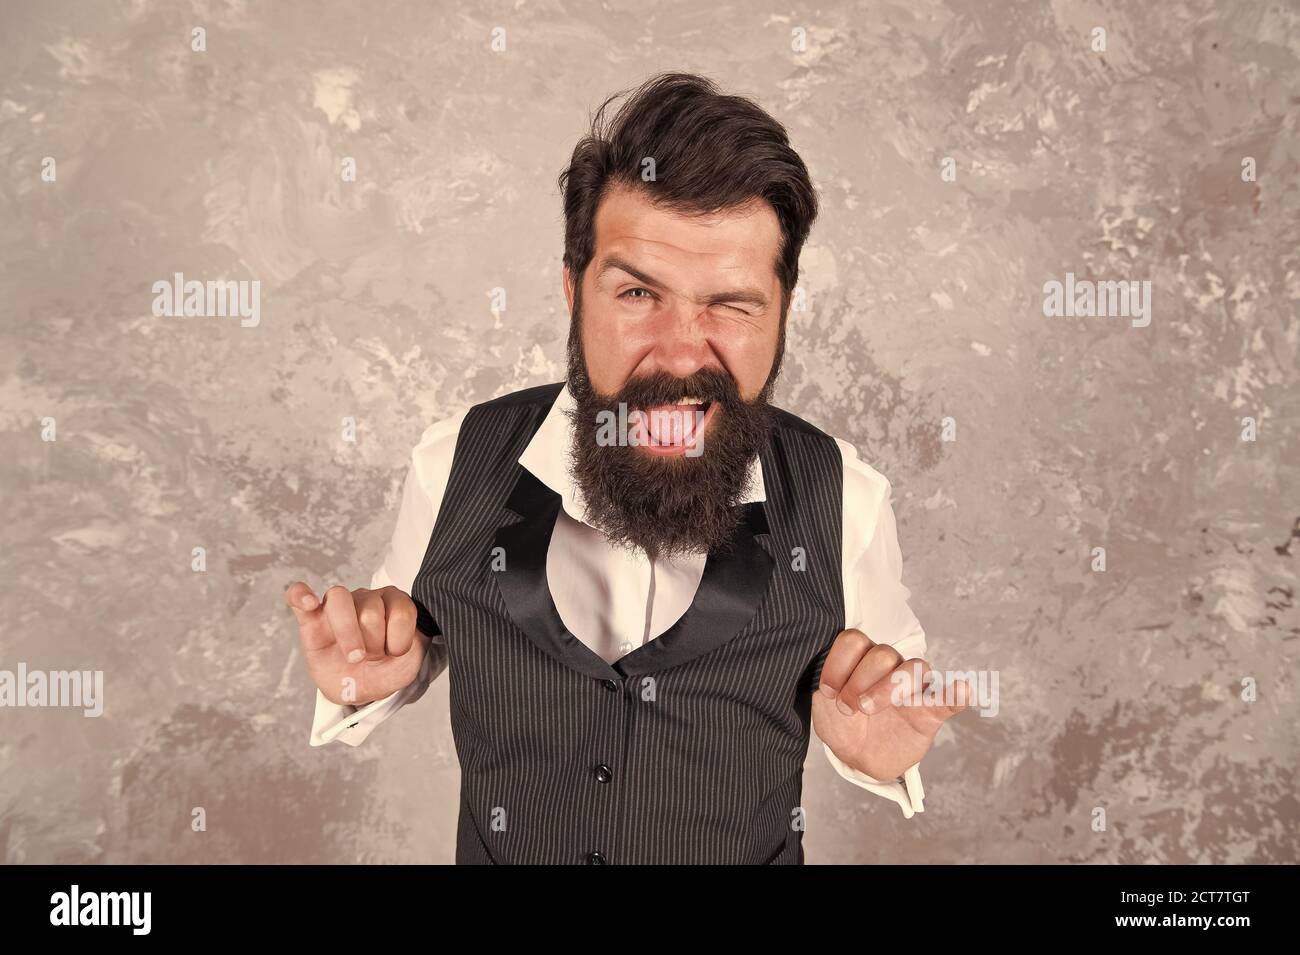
x,y
751,296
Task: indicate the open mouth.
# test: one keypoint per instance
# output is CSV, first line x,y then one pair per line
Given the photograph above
x,y
675,428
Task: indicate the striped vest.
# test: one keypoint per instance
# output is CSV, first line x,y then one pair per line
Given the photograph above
x,y
689,749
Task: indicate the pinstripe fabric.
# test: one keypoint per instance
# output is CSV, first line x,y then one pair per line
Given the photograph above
x,y
688,750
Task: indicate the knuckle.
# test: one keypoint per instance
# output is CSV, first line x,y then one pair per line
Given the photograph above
x,y
851,644
915,668
401,617
883,651
371,618
855,637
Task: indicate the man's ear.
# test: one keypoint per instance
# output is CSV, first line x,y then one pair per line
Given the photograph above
x,y
568,288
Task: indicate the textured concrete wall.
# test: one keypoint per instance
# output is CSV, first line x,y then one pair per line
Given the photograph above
x,y
1120,689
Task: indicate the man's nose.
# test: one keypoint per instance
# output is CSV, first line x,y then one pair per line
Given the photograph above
x,y
681,347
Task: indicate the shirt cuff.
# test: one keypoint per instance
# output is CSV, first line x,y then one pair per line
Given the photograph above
x,y
906,790
352,724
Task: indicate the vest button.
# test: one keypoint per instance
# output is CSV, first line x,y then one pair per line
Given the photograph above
x,y
609,685
595,858
603,773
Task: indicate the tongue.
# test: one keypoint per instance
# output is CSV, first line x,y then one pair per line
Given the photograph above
x,y
672,424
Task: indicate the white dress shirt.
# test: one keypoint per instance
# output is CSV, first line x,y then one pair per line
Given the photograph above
x,y
615,597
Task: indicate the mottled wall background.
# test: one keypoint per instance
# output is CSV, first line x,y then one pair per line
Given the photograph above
x,y
1120,689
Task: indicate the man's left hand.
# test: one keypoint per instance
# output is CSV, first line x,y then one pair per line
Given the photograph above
x,y
881,713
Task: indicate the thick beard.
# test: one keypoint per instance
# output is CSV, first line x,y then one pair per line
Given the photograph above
x,y
666,505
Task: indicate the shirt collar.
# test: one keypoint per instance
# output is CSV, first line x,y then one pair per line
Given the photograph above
x,y
549,454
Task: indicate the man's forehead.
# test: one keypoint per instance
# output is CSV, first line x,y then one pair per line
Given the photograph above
x,y
744,239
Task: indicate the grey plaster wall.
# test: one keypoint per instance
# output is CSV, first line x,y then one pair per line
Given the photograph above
x,y
1120,690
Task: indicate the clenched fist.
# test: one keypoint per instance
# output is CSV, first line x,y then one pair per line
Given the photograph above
x,y
360,645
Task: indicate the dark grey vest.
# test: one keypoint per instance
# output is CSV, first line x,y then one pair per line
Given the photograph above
x,y
689,749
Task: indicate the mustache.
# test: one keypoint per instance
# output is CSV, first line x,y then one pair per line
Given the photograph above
x,y
662,388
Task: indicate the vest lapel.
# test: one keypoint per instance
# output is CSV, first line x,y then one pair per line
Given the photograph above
x,y
522,583
732,587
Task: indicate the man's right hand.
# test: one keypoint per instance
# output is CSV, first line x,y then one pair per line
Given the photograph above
x,y
360,645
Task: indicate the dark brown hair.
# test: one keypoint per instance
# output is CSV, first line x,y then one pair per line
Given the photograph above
x,y
711,152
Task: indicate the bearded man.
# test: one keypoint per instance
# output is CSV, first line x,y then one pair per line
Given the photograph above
x,y
639,623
